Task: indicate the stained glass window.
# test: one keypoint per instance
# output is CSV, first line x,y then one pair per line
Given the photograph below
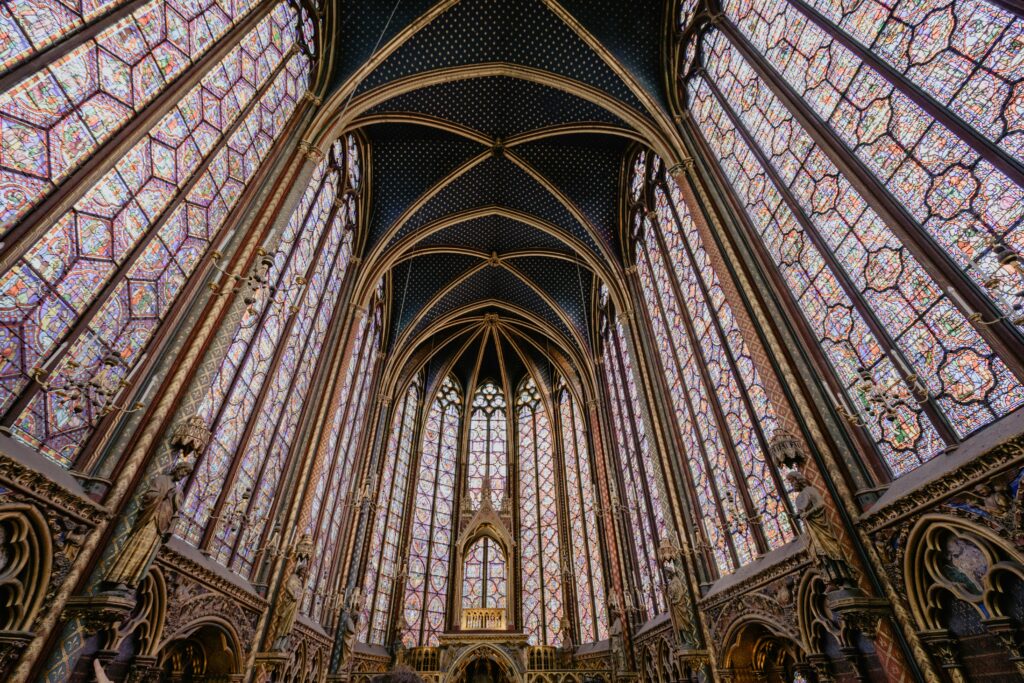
x,y
90,293
538,520
964,54
426,588
640,491
382,569
55,119
722,410
488,443
484,576
581,511
257,397
906,354
333,495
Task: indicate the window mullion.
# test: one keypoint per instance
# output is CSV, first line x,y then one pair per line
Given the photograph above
x,y
933,259
229,479
984,147
640,467
727,350
314,310
686,398
700,360
55,356
889,346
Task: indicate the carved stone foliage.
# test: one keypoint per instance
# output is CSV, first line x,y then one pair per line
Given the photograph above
x,y
196,593
768,596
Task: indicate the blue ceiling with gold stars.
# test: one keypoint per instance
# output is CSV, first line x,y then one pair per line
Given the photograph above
x,y
496,133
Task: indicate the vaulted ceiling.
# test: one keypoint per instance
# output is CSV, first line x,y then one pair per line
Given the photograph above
x,y
497,131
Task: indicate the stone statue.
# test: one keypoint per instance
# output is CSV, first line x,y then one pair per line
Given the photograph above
x,y
287,607
350,622
616,641
158,513
822,542
678,605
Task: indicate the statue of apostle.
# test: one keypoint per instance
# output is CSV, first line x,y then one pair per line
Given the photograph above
x,y
822,543
153,526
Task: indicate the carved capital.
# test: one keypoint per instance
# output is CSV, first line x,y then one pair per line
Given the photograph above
x,y
786,449
942,646
99,612
12,644
143,670
679,171
858,613
1008,636
190,436
311,151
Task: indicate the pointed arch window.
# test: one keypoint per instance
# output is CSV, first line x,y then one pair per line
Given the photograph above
x,y
640,489
485,576
722,410
256,398
333,495
89,290
488,445
581,511
382,569
542,601
426,589
799,127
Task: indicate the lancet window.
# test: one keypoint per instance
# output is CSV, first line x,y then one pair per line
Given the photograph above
x,y
485,576
538,520
426,588
382,573
91,285
333,495
255,400
581,511
865,166
488,445
640,491
722,411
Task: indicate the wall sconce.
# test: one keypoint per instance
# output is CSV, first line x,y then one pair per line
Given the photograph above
x,y
1005,285
256,284
95,385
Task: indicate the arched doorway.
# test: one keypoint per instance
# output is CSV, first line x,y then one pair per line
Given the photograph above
x,y
756,652
484,670
483,664
208,652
